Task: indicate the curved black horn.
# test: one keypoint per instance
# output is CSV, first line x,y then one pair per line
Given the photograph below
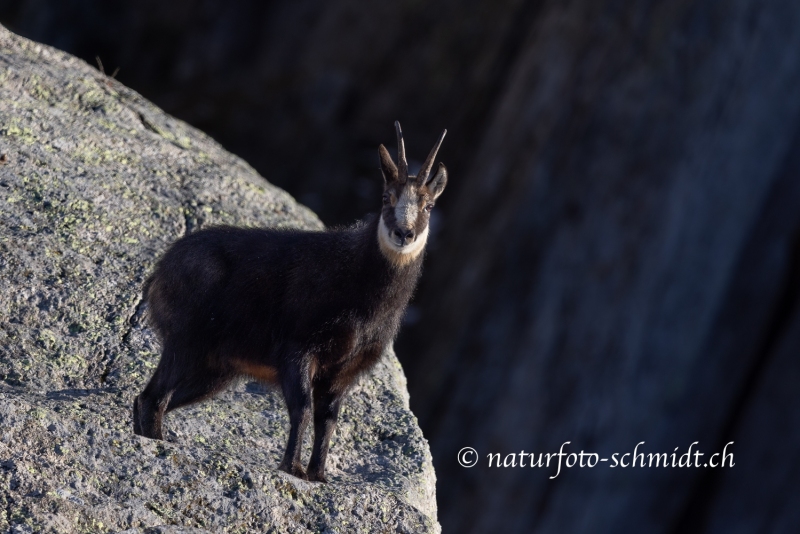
x,y
422,177
402,163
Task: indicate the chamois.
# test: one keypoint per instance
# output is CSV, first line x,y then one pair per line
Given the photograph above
x,y
308,311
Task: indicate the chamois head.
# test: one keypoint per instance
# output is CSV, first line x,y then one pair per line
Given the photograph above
x,y
407,202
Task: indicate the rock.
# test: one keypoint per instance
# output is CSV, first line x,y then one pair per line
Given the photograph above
x,y
95,182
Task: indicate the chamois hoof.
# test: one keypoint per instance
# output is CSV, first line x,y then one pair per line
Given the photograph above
x,y
314,476
295,471
151,435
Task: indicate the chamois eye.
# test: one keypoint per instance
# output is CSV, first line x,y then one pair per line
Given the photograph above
x,y
385,199
429,207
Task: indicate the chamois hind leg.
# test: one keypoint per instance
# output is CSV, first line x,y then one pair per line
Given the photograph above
x,y
296,387
174,371
137,423
198,386
327,402
149,405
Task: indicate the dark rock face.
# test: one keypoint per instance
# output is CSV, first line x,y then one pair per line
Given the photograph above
x,y
637,279
619,255
95,182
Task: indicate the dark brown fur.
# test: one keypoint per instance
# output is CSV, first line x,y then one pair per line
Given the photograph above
x,y
307,311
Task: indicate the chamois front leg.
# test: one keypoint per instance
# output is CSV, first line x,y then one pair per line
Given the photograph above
x,y
296,386
327,402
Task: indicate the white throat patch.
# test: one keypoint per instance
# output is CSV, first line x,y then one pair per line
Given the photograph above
x,y
396,254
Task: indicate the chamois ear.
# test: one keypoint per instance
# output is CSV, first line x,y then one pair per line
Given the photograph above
x,y
388,168
436,184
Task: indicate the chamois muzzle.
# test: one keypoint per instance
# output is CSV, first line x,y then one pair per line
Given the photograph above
x,y
403,237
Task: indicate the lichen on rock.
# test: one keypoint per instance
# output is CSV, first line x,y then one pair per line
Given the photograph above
x,y
95,182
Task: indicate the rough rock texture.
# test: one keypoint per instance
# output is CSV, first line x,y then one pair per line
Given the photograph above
x,y
94,183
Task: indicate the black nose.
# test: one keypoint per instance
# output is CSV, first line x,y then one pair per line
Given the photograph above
x,y
405,236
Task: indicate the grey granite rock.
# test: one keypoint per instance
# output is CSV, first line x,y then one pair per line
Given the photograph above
x,y
95,182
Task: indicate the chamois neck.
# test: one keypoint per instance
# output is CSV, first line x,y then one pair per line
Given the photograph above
x,y
397,256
